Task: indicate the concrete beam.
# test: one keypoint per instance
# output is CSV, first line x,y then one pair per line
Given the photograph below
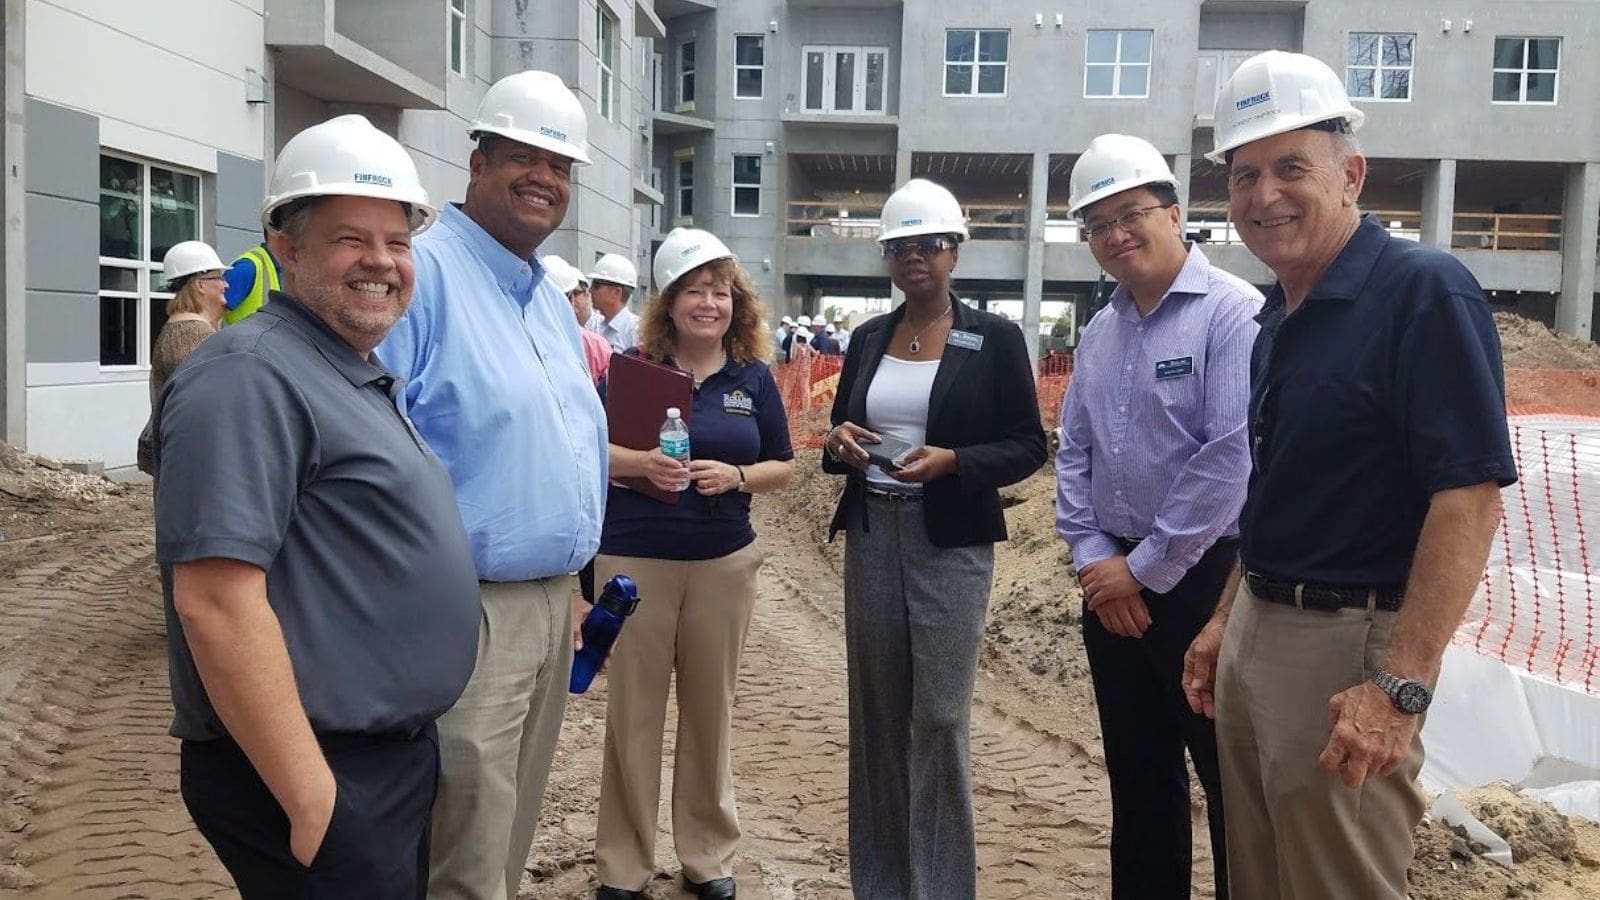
x,y
1033,277
1438,203
1579,230
13,320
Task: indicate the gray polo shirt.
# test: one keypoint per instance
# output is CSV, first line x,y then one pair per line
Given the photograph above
x,y
279,446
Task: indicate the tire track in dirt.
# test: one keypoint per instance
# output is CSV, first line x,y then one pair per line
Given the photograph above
x,y
87,771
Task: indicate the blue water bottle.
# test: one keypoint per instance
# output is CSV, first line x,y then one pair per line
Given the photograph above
x,y
610,612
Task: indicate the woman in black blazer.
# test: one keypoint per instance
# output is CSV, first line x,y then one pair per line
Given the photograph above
x,y
956,385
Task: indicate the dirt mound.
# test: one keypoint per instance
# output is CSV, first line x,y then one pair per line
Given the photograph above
x,y
1526,344
30,478
1555,857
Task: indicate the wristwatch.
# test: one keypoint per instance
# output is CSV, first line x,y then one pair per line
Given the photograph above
x,y
1410,697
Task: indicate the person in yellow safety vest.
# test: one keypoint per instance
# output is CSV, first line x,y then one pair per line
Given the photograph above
x,y
247,288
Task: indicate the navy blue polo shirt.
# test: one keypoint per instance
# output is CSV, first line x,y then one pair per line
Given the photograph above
x,y
738,418
1384,387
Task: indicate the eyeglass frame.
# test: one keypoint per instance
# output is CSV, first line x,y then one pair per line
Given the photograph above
x,y
923,243
1128,221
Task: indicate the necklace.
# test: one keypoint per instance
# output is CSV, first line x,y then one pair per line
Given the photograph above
x,y
694,373
916,339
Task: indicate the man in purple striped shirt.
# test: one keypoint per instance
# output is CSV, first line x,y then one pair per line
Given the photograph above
x,y
1151,475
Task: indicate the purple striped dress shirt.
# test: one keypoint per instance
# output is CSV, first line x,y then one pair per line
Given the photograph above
x,y
1153,439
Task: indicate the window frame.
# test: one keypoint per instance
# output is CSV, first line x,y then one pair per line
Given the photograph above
x,y
1378,68
147,271
684,188
976,64
1119,64
1524,71
745,186
456,40
605,99
858,89
688,72
759,68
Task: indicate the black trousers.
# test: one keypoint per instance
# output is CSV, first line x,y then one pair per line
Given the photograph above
x,y
377,842
1147,723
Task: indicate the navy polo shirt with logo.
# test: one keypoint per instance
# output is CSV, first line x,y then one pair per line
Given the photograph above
x,y
1384,387
737,418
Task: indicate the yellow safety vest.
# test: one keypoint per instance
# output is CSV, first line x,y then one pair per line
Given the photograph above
x,y
258,291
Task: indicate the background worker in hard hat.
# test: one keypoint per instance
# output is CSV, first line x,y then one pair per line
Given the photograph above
x,y
251,279
820,341
1378,433
321,602
571,282
841,334
802,327
194,276
781,334
1150,476
498,386
611,284
956,384
696,563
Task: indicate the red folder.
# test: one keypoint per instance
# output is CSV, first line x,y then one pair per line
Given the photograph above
x,y
638,393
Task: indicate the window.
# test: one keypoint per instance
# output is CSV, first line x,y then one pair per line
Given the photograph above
x,y
843,79
1525,69
1117,64
458,36
746,185
1378,66
749,66
686,75
975,62
144,210
605,56
686,189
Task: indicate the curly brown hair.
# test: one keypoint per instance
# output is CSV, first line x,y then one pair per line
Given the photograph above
x,y
748,338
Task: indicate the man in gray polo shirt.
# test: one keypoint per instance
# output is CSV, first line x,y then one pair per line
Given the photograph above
x,y
322,606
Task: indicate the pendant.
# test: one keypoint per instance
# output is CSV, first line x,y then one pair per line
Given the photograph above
x,y
914,346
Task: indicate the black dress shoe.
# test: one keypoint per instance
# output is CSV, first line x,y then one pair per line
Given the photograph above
x,y
611,893
715,889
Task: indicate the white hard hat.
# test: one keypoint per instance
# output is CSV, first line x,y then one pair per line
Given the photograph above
x,y
683,251
615,268
803,337
538,109
564,275
838,319
1275,92
188,257
805,322
346,156
921,207
787,320
831,330
1115,163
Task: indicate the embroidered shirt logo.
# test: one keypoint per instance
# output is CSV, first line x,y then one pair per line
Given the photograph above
x,y
738,402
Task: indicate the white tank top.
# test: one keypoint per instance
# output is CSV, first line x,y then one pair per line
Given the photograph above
x,y
897,405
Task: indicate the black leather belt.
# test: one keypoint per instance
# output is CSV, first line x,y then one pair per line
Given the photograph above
x,y
909,494
1323,597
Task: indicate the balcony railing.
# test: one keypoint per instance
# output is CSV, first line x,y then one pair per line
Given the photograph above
x,y
859,220
1472,231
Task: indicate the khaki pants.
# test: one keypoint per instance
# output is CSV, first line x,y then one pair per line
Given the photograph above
x,y
496,744
692,620
1296,832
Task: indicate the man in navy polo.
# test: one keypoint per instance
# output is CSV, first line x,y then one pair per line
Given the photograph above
x,y
1379,440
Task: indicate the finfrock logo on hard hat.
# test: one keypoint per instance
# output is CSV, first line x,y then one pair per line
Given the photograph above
x,y
905,222
1244,103
1104,182
369,178
547,131
686,252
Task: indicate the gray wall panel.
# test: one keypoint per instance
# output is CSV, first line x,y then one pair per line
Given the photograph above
x,y
241,184
63,327
63,242
63,148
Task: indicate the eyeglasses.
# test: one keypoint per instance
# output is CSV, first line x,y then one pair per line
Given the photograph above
x,y
931,243
1128,221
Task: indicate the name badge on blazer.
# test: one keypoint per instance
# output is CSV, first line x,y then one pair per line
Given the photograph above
x,y
1172,368
966,340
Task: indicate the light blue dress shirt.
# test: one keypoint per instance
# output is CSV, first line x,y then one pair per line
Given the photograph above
x,y
498,386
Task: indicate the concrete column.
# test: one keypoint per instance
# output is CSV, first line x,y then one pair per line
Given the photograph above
x,y
1438,203
1579,227
902,167
13,319
1181,164
1033,276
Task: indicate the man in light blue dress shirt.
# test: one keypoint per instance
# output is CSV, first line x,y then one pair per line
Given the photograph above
x,y
498,386
1151,475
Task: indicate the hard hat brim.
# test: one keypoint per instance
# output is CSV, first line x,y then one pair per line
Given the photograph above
x,y
1115,189
422,212
918,230
533,139
1353,118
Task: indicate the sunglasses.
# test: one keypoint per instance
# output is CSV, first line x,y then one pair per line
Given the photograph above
x,y
923,246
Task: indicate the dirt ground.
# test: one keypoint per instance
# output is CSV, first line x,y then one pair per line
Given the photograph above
x,y
89,806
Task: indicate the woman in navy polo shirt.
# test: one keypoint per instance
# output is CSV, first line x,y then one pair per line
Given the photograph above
x,y
695,563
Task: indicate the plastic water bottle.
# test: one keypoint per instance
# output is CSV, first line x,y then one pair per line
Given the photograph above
x,y
675,440
617,601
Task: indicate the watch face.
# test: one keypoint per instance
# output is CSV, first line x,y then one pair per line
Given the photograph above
x,y
1412,697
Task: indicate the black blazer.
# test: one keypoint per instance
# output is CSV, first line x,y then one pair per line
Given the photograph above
x,y
983,406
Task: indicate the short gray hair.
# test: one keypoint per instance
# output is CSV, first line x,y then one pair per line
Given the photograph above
x,y
293,219
1345,145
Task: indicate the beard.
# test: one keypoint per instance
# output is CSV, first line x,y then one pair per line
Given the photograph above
x,y
362,327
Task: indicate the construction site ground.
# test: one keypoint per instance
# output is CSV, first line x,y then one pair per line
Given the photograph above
x,y
89,806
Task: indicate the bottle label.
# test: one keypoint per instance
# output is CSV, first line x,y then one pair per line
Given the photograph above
x,y
675,446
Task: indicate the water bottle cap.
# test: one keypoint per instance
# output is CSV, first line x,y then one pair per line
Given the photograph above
x,y
674,413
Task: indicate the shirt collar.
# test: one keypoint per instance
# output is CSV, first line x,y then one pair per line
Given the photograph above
x,y
512,273
358,371
1347,275
1191,279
